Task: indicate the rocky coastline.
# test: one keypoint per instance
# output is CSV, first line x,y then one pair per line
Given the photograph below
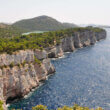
x,y
21,72
78,40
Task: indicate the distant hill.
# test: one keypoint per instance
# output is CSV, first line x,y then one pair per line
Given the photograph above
x,y
3,25
104,26
42,23
66,25
95,25
10,31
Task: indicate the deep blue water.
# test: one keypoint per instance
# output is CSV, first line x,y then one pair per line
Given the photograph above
x,y
81,77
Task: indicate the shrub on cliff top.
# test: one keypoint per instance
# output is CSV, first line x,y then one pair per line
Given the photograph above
x,y
39,41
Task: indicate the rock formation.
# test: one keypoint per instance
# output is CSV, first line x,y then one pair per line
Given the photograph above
x,y
19,73
77,40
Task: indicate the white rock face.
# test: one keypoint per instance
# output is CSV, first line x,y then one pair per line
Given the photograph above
x,y
19,80
67,44
77,40
1,91
40,54
17,58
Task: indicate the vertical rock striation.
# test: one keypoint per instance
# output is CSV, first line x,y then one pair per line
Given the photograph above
x,y
19,73
77,40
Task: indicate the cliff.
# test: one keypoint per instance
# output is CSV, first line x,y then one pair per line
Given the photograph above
x,y
21,72
77,40
25,69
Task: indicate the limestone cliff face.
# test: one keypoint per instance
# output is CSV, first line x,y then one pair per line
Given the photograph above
x,y
77,40
19,73
1,92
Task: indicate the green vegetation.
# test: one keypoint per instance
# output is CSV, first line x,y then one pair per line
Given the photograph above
x,y
37,61
11,65
42,23
89,28
19,65
75,107
10,31
39,107
1,105
39,40
23,64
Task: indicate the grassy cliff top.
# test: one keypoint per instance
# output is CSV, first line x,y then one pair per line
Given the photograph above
x,y
10,31
39,40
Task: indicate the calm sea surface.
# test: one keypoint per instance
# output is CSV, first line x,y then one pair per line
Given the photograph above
x,y
81,77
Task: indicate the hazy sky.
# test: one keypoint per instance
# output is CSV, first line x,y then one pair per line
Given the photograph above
x,y
75,11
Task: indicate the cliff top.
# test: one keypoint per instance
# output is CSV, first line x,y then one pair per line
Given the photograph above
x,y
10,31
40,40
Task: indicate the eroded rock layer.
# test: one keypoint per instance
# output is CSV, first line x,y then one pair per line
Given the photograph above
x,y
77,40
20,73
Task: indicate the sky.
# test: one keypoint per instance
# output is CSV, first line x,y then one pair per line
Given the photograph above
x,y
73,11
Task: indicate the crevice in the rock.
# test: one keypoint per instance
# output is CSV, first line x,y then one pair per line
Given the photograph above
x,y
13,99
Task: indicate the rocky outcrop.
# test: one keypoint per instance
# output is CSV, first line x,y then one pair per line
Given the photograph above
x,y
1,92
20,73
24,70
77,40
